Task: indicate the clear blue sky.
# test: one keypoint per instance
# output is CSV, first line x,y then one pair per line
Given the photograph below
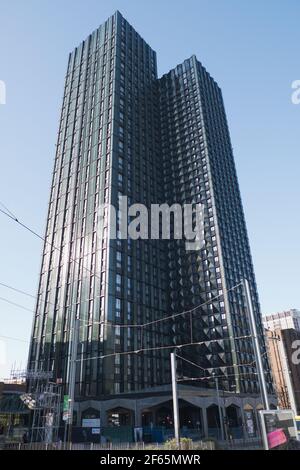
x,y
250,48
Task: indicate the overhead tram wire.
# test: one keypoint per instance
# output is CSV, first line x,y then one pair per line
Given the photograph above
x,y
190,311
220,367
15,339
183,379
138,350
249,364
10,215
171,346
33,232
51,303
18,290
125,326
15,219
186,379
195,379
142,325
61,306
16,305
7,209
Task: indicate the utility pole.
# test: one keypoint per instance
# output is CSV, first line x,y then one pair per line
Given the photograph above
x,y
257,351
220,409
72,376
225,417
175,399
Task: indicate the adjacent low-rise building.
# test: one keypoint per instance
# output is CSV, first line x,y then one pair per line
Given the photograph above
x,y
14,415
283,320
284,356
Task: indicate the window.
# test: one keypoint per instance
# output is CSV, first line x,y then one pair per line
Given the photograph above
x,y
118,282
118,308
129,310
119,259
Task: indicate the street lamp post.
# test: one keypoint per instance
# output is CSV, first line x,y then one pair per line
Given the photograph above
x,y
175,399
256,346
219,408
72,381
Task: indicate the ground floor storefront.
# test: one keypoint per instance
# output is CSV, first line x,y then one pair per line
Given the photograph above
x,y
149,416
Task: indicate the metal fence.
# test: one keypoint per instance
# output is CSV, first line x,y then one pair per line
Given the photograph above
x,y
236,444
243,444
73,446
209,445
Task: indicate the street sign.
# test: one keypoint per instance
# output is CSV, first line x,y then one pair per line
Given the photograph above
x,y
278,429
95,430
66,416
91,423
66,403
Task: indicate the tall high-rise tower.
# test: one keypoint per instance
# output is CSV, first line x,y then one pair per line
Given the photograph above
x,y
124,132
199,168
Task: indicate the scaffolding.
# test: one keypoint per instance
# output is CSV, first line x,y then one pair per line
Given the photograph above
x,y
44,399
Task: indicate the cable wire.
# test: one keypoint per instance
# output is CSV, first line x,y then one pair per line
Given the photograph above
x,y
18,290
33,232
15,339
158,348
122,325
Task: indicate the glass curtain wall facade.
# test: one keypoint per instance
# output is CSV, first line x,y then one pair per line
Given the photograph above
x,y
108,146
124,132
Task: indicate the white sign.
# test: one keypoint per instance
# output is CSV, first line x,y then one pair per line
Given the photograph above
x,y
66,415
96,431
91,423
279,429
